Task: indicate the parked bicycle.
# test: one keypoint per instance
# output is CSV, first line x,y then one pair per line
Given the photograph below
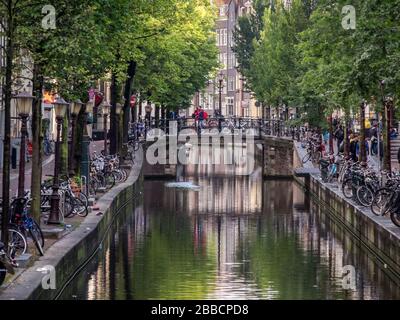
x,y
25,224
7,264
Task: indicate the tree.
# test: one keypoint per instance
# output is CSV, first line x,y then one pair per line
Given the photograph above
x,y
247,33
274,67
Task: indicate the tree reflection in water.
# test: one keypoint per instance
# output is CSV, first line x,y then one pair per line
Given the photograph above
x,y
237,237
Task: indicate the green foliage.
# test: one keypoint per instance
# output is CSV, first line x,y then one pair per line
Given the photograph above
x,y
304,58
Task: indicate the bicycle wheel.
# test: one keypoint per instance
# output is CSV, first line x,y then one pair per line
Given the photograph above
x,y
38,231
3,272
93,186
101,180
124,174
347,188
117,176
380,198
17,244
364,196
83,197
79,207
68,207
306,158
395,217
109,180
36,241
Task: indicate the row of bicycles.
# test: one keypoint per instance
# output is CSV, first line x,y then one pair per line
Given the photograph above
x,y
315,149
105,172
379,191
23,229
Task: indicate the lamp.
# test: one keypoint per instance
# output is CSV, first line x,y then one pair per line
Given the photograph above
x,y
106,107
76,107
60,107
24,102
23,105
118,108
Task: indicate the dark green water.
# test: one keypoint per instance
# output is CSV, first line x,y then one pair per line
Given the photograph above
x,y
234,238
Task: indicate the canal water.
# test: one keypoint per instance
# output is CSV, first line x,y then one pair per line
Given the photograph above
x,y
234,237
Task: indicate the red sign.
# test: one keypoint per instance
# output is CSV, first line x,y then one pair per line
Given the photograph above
x,y
133,100
98,98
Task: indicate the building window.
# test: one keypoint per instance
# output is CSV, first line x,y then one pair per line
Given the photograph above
x,y
221,37
223,59
224,37
231,84
222,10
232,61
229,103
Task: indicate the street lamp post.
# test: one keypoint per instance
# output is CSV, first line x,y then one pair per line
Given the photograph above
x,y
118,110
75,109
220,86
85,163
24,104
60,106
105,109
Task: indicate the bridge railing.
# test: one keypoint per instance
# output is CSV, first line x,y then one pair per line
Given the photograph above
x,y
269,127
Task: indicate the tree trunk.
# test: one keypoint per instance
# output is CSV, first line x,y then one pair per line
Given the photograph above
x,y
37,138
157,115
78,137
113,115
140,109
64,148
387,161
121,132
363,153
346,136
127,95
134,111
7,114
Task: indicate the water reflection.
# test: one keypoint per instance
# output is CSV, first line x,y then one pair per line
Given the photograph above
x,y
236,238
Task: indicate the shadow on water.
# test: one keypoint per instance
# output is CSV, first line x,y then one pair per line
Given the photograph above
x,y
237,237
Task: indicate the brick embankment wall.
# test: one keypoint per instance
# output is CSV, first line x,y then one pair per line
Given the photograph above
x,y
378,235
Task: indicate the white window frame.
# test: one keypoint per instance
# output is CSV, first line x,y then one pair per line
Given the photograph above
x,y
231,83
